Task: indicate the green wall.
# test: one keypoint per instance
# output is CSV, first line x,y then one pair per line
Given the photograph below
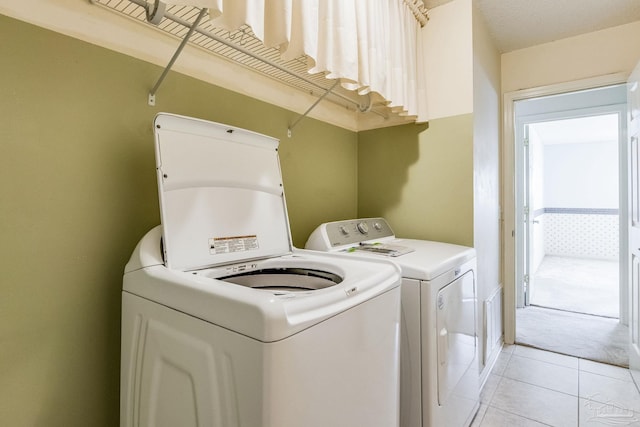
x,y
77,191
420,178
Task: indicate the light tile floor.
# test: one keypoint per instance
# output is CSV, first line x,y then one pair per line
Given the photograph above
x,y
531,387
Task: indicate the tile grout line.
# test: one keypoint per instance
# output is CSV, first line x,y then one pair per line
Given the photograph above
x,y
578,402
552,390
578,369
546,361
589,399
540,386
519,416
502,377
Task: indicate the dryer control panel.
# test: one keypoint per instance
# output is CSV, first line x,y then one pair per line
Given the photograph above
x,y
348,233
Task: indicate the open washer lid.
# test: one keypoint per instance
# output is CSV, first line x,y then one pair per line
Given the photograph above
x,y
221,194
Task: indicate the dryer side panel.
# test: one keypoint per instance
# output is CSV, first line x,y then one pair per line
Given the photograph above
x,y
450,375
457,349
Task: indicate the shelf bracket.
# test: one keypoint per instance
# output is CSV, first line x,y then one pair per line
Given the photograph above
x,y
183,43
292,125
156,14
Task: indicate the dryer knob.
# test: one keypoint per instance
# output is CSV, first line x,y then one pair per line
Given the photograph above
x,y
363,227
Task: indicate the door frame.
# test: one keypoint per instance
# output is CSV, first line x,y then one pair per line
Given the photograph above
x,y
509,187
524,229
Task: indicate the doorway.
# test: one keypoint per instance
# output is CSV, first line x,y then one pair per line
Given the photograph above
x,y
574,204
570,171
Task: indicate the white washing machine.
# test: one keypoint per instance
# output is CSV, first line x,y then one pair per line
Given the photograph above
x,y
439,382
225,324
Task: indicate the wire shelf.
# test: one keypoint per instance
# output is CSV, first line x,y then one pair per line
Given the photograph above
x,y
240,46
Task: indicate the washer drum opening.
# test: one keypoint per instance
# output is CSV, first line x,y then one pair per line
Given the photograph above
x,y
285,279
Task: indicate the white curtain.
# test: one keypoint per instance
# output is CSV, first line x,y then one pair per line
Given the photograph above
x,y
372,46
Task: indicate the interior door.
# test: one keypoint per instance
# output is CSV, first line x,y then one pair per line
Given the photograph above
x,y
527,217
522,226
633,99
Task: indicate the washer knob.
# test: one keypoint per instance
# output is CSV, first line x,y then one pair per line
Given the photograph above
x,y
377,226
363,227
344,230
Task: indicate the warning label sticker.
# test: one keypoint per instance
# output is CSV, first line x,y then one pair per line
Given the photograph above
x,y
227,245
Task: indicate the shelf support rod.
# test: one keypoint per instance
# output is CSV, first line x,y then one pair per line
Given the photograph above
x,y
183,43
292,125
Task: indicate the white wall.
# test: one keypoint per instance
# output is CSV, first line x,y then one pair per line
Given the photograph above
x,y
594,54
486,165
448,60
581,175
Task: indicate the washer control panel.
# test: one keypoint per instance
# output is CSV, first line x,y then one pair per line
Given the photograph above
x,y
352,232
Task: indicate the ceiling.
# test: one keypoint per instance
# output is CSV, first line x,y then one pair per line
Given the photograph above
x,y
517,24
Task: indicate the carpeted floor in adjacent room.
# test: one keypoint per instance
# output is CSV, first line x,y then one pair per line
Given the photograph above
x,y
595,338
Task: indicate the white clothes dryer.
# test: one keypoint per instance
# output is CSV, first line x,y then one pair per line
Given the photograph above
x,y
439,382
226,324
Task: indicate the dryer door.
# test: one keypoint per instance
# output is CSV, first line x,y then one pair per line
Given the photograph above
x,y
456,342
